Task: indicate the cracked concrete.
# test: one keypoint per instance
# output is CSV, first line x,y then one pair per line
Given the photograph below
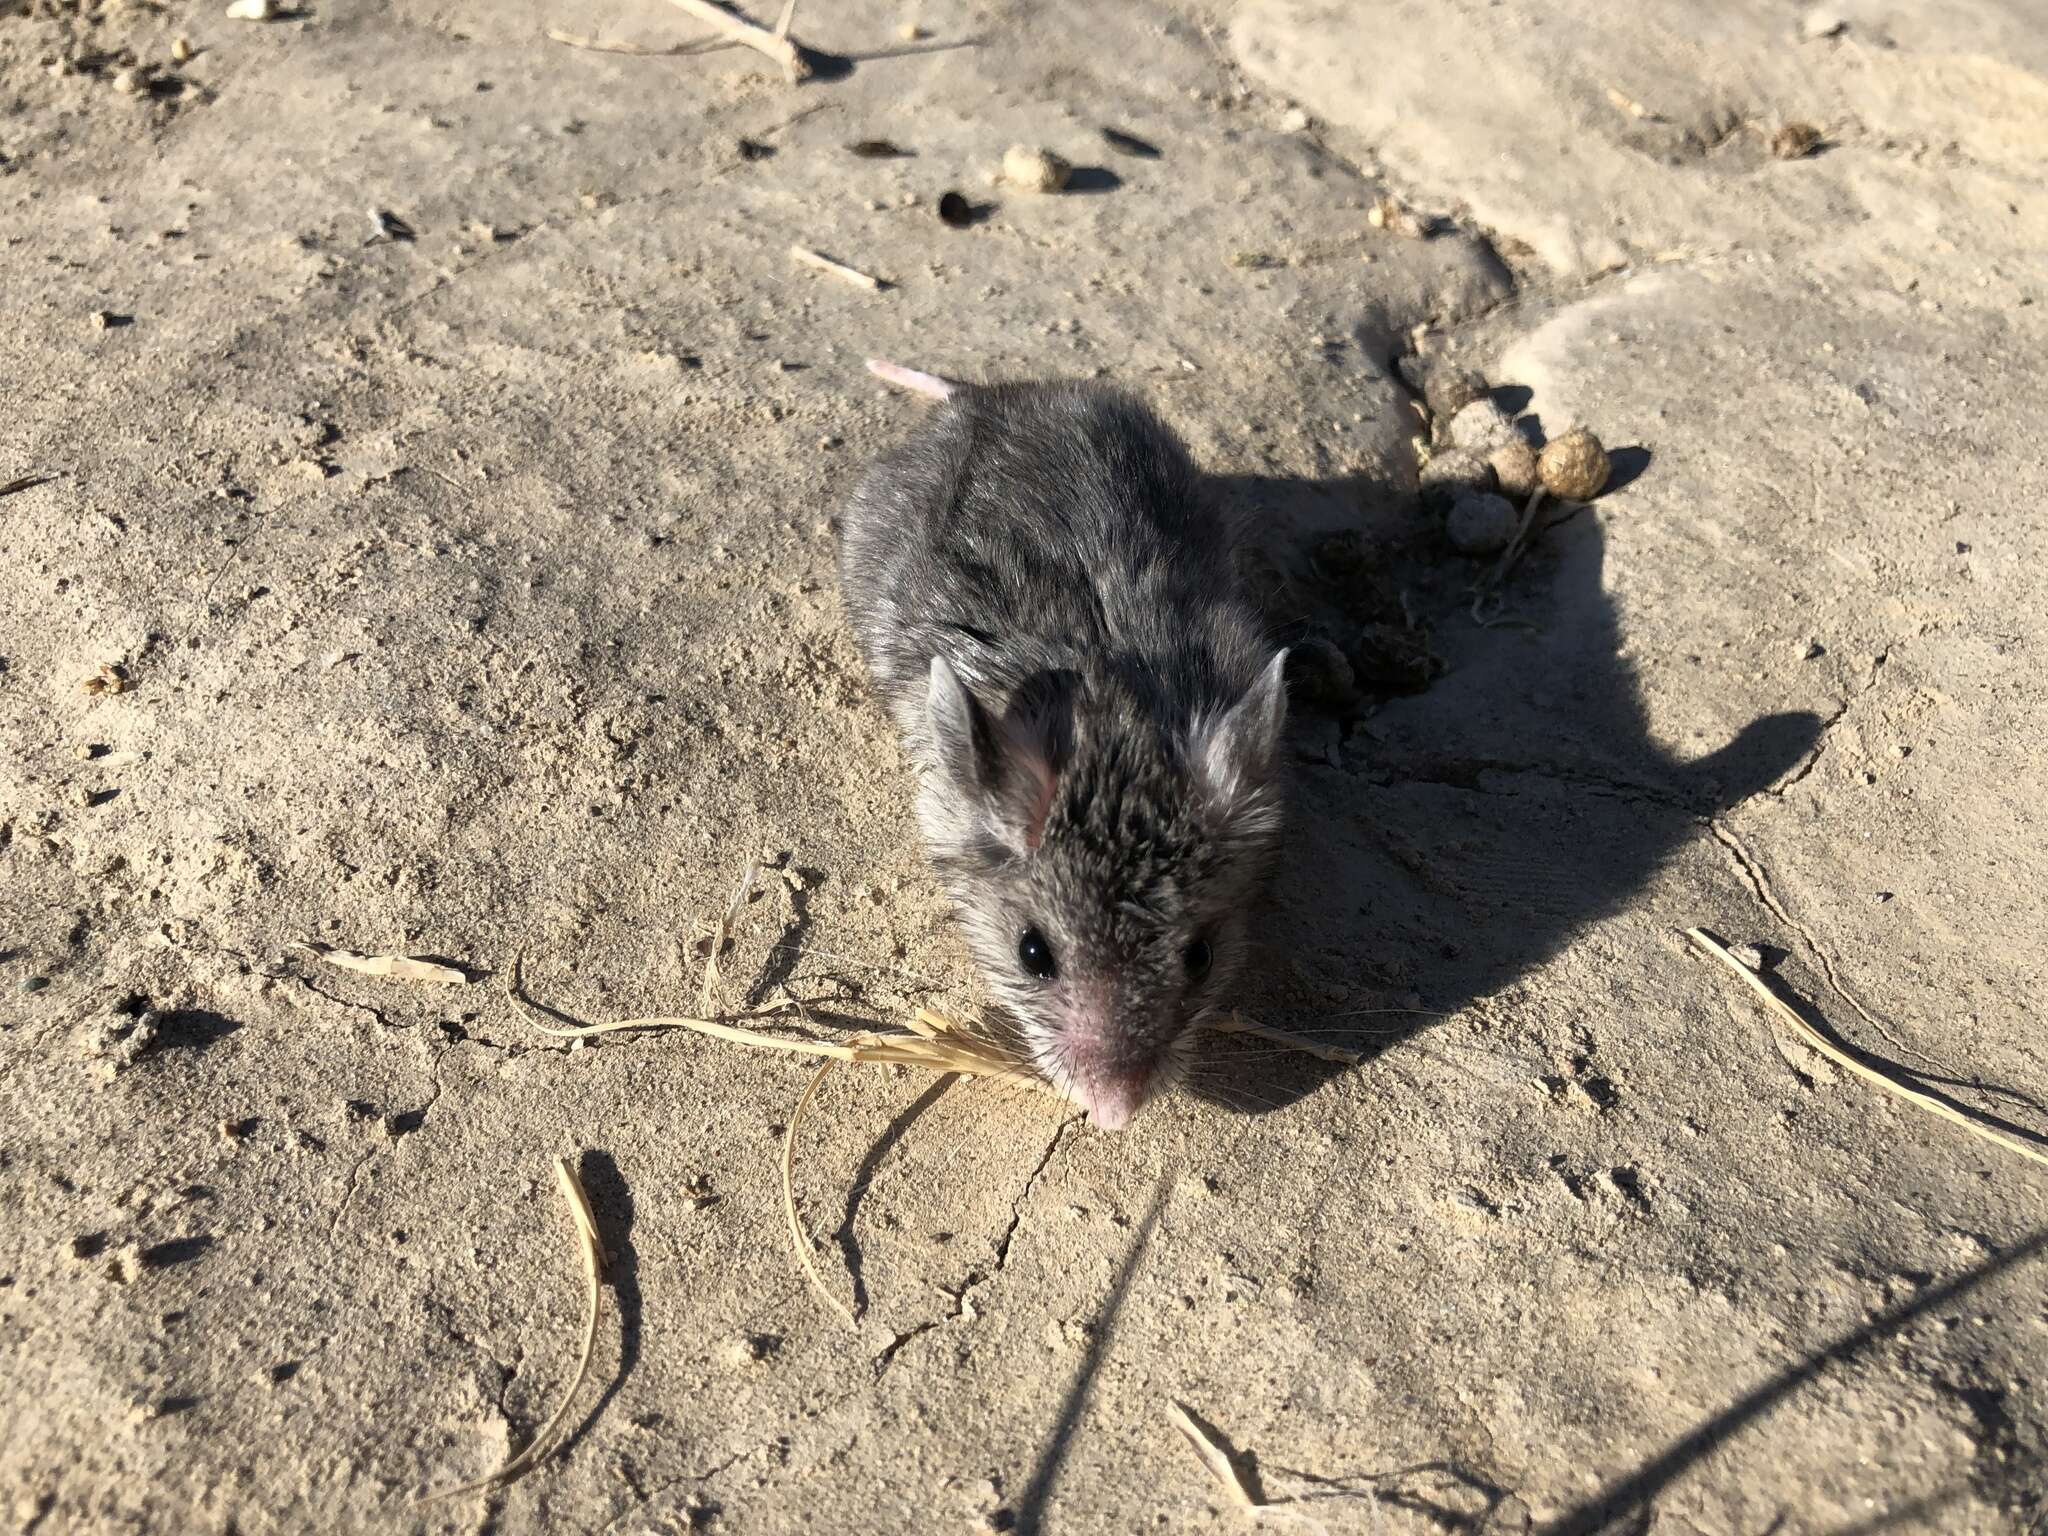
x,y
476,596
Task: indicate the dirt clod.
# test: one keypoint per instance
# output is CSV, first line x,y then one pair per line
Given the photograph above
x,y
1480,524
1795,141
1030,169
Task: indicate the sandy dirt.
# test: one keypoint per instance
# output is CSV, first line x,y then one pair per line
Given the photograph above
x,y
469,574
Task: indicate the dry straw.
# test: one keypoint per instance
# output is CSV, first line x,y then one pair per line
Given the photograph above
x,y
592,1251
1790,1017
395,967
931,1041
1212,1456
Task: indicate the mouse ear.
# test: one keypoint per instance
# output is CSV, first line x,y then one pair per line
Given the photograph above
x,y
1234,753
1007,767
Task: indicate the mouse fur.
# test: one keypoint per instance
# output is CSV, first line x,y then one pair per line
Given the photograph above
x,y
1047,603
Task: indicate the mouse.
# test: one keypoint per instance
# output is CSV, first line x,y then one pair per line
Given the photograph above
x,y
1049,608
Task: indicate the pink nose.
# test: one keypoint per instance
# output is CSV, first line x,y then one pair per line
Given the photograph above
x,y
1111,1101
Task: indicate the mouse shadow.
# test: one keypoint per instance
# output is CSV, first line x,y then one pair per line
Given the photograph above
x,y
1465,797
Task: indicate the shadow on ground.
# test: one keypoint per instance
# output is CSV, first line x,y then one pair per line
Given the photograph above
x,y
1474,795
1628,1503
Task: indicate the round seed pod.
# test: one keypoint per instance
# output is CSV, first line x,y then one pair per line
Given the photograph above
x,y
1447,391
1481,426
1451,473
1480,524
1034,170
1574,467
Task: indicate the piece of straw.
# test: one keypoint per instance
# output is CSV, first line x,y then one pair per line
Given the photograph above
x,y
796,1229
592,1251
1237,1025
598,45
721,936
1212,1456
1518,544
398,967
1790,1017
932,1041
839,269
936,1043
779,46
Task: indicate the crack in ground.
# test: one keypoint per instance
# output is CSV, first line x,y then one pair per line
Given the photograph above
x,y
355,1172
902,1340
1463,773
1820,741
723,1467
319,991
895,1346
1059,1136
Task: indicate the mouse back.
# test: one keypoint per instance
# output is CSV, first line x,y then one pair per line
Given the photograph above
x,y
1047,602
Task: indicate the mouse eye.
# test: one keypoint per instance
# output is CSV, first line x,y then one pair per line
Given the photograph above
x,y
1035,955
1196,958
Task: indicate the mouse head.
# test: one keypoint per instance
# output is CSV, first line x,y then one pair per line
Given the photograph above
x,y
1105,867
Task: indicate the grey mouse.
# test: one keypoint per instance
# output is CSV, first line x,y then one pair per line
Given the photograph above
x,y
1048,606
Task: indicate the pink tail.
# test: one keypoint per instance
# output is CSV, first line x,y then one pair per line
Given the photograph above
x,y
910,379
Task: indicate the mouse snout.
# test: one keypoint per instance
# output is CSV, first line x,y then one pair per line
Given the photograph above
x,y
1101,1054
1111,1099
1108,1074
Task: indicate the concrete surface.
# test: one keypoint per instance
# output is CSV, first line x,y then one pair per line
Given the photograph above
x,y
474,592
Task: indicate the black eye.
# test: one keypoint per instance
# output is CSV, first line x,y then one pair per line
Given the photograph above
x,y
1035,955
1196,958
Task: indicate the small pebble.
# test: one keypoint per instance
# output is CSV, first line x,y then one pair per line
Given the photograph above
x,y
131,82
252,10
1795,141
1447,391
1396,220
1480,524
1812,650
1034,170
1481,426
102,319
181,49
911,32
1514,466
1293,120
1451,473
1820,22
34,983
